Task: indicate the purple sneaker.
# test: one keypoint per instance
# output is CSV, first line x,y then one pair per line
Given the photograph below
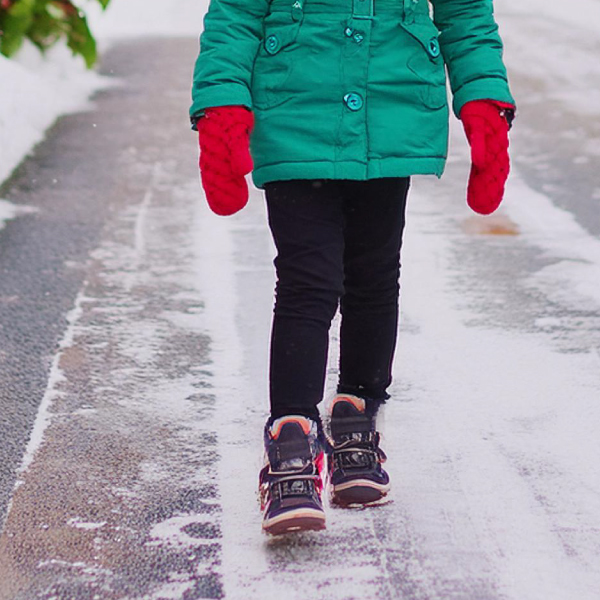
x,y
356,476
290,483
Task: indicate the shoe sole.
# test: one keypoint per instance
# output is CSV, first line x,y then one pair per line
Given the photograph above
x,y
304,519
358,492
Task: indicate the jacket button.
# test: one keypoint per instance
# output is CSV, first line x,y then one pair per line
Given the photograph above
x,y
358,37
353,101
272,44
348,32
434,47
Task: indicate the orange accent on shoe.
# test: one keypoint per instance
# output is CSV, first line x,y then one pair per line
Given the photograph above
x,y
358,403
279,423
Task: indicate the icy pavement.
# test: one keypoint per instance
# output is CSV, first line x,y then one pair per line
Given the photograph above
x,y
139,481
555,75
116,495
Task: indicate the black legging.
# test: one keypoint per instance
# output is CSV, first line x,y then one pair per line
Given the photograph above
x,y
338,241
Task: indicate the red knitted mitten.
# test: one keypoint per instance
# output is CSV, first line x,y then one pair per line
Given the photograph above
x,y
487,132
225,157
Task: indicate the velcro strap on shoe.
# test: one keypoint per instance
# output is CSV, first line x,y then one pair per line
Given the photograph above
x,y
292,486
355,458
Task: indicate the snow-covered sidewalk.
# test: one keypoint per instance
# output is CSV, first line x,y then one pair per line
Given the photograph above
x,y
139,480
148,445
490,431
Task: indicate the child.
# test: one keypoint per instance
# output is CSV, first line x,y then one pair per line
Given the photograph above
x,y
341,101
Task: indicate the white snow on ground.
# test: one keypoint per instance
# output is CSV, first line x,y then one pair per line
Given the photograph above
x,y
55,377
557,232
35,90
559,55
9,211
79,523
581,14
33,93
171,532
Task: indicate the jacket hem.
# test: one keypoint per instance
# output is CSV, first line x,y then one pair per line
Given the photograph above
x,y
374,169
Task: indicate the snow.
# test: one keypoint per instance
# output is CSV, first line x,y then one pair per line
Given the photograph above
x,y
561,60
79,523
40,90
172,531
43,88
52,389
9,211
578,14
576,252
134,18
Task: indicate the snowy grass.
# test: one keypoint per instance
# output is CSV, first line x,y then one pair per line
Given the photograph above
x,y
40,90
35,90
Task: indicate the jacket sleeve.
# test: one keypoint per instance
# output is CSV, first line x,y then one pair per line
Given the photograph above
x,y
228,46
472,51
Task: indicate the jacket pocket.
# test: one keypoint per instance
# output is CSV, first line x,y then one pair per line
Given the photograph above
x,y
427,63
274,63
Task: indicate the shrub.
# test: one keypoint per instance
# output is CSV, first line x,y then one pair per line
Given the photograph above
x,y
45,22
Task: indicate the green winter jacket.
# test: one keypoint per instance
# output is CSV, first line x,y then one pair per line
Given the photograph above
x,y
348,89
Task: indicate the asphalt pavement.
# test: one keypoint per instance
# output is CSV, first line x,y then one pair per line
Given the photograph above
x,y
99,275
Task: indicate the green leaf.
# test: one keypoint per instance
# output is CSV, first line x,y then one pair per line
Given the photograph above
x,y
14,24
45,22
81,40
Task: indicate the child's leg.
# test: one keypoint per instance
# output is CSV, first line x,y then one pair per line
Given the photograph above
x,y
374,214
306,220
374,222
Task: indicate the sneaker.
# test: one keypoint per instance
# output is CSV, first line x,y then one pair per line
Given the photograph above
x,y
290,483
356,476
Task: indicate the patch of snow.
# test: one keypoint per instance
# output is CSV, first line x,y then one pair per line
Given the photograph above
x,y
55,377
171,532
543,38
578,14
9,211
577,252
78,523
174,590
510,422
41,89
62,563
242,553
